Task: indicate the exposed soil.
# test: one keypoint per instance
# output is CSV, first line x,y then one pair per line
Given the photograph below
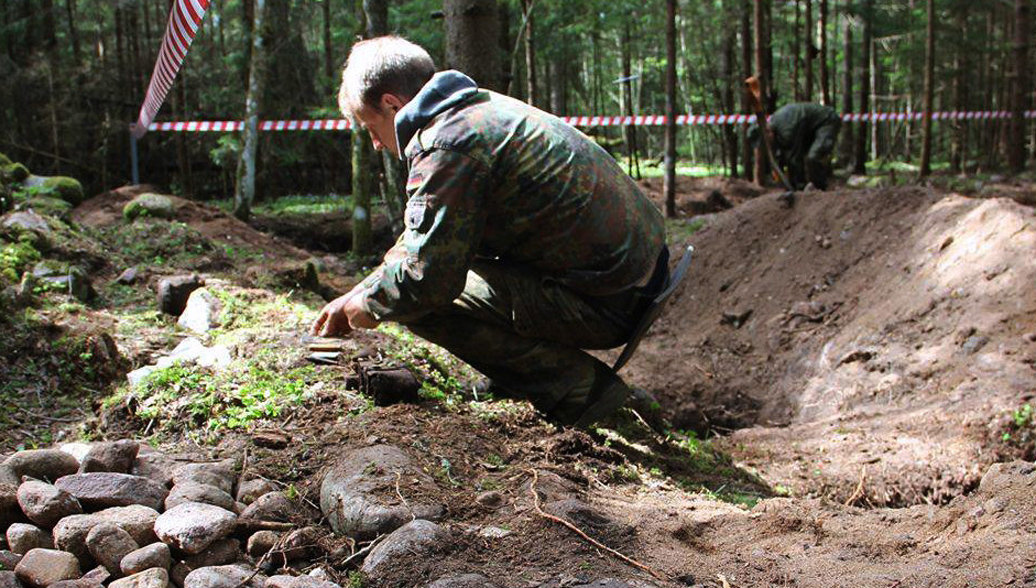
x,y
857,359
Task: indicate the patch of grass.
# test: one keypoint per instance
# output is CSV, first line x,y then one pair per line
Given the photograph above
x,y
680,230
156,243
235,397
648,170
1020,430
301,204
244,312
17,257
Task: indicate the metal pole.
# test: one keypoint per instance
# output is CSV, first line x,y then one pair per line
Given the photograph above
x,y
133,159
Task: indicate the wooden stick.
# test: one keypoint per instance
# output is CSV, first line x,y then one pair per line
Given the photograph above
x,y
859,487
594,542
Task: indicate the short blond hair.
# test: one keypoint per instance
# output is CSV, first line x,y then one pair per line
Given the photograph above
x,y
383,65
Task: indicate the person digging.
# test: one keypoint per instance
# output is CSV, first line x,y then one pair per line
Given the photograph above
x,y
803,136
524,242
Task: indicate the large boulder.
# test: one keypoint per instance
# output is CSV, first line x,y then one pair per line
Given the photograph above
x,y
100,490
193,526
357,495
66,188
151,205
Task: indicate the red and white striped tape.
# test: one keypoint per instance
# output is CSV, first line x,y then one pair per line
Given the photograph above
x,y
184,18
339,124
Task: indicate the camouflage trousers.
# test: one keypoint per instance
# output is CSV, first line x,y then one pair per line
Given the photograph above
x,y
527,333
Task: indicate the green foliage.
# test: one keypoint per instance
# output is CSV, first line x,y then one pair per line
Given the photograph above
x,y
15,172
356,578
680,230
235,397
297,204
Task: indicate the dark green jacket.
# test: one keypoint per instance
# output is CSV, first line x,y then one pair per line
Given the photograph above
x,y
491,176
795,128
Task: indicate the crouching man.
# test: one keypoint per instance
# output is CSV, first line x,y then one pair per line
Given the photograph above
x,y
524,242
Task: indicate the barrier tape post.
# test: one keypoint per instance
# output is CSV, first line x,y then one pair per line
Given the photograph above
x,y
134,159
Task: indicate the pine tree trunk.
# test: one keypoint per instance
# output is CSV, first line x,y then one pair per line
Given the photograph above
x,y
1021,87
762,73
796,54
860,163
329,67
244,187
746,72
530,54
810,52
471,28
825,82
669,180
376,12
629,131
361,221
929,91
959,136
849,130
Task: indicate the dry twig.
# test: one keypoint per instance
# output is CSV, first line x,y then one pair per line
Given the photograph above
x,y
594,542
859,487
413,515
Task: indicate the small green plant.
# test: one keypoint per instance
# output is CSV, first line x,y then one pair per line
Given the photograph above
x,y
356,580
17,257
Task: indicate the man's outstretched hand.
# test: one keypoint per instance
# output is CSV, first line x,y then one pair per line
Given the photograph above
x,y
342,315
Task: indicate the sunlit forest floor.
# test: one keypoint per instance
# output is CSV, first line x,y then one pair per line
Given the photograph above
x,y
846,383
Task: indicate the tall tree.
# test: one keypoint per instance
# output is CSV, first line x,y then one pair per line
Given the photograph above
x,y
361,222
244,187
825,82
866,18
669,181
848,133
391,187
811,52
1021,86
929,91
746,71
530,53
471,40
958,137
728,85
762,73
629,131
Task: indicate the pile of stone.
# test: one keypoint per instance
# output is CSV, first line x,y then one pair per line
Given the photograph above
x,y
123,515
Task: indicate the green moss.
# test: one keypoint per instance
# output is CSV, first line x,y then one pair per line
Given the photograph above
x,y
4,160
16,257
66,188
48,206
16,172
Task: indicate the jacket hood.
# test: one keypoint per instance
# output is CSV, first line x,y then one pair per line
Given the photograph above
x,y
445,90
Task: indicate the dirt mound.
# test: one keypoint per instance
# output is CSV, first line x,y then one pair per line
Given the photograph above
x,y
861,338
105,210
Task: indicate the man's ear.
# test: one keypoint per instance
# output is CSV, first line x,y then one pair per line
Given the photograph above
x,y
391,103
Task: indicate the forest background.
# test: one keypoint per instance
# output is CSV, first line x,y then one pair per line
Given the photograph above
x,y
76,72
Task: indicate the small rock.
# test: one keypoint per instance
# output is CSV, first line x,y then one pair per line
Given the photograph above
x,y
416,539
491,532
156,555
139,521
974,343
9,477
174,291
9,559
153,578
222,552
462,581
23,538
26,220
199,314
10,511
64,278
261,542
9,580
272,506
110,457
219,474
100,490
43,567
303,544
188,491
108,544
193,526
249,491
42,464
271,439
128,276
490,499
224,577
